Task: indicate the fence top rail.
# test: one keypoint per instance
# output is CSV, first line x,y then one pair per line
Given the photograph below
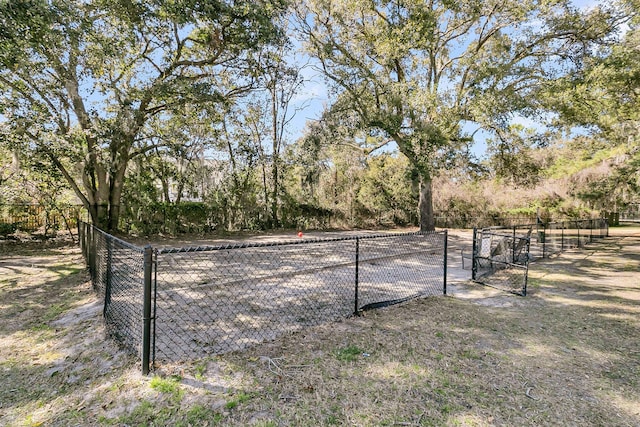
x,y
116,239
507,227
504,235
574,221
63,205
544,224
231,246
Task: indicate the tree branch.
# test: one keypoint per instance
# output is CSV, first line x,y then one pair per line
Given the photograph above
x,y
58,164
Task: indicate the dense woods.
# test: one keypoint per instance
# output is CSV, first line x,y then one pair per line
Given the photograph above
x,y
166,117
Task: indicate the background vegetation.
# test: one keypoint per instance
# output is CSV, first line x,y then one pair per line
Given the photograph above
x,y
181,120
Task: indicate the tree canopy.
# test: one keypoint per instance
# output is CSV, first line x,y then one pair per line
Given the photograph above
x,y
139,107
80,80
414,72
603,93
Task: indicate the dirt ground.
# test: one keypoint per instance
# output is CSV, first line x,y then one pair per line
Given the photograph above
x,y
567,354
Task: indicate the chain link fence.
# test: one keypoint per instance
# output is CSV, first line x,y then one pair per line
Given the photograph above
x,y
117,276
173,304
500,255
216,299
555,237
446,220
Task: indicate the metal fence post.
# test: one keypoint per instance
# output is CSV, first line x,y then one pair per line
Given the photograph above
x,y
444,275
91,252
83,227
474,249
107,288
562,237
526,271
146,310
81,239
357,278
513,246
78,226
87,239
155,301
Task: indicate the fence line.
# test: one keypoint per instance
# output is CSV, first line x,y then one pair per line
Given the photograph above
x,y
174,304
469,221
117,269
30,218
559,236
500,255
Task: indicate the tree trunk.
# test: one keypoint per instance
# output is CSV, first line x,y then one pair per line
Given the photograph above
x,y
101,219
114,213
165,189
116,186
276,154
425,202
425,205
179,192
114,201
265,191
275,222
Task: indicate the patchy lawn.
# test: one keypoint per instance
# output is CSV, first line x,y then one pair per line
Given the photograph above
x,y
567,354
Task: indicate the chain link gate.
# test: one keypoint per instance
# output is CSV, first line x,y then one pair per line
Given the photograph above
x,y
501,259
500,256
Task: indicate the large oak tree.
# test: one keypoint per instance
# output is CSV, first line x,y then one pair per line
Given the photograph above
x,y
415,72
81,80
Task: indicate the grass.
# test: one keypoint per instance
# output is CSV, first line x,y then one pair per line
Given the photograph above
x,y
567,354
168,385
350,353
237,400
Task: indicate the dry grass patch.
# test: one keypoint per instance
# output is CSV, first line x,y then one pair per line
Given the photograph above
x,y
441,361
53,356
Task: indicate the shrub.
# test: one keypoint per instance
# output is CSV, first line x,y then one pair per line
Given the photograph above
x,y
7,229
